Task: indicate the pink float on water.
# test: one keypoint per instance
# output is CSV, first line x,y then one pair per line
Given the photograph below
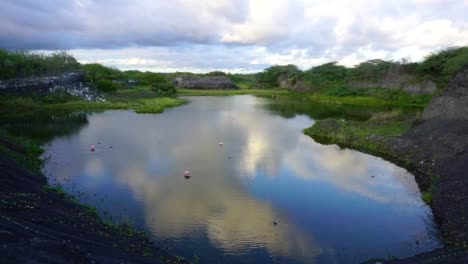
x,y
187,174
91,148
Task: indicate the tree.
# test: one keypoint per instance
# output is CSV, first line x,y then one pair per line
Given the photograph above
x,y
270,77
106,85
161,85
326,74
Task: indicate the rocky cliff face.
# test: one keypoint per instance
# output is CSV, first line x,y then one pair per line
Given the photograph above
x,y
69,83
206,82
397,81
452,104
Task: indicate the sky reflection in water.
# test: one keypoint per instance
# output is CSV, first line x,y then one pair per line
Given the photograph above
x,y
327,206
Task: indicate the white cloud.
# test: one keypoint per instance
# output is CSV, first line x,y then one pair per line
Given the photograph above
x,y
234,35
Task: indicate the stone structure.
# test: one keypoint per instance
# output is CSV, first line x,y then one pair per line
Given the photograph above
x,y
205,82
70,83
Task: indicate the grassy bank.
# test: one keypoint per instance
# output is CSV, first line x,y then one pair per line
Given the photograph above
x,y
141,100
263,92
370,136
373,97
375,137
379,97
352,100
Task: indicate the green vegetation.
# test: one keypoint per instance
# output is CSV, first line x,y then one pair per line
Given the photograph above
x,y
328,75
372,96
106,85
127,228
330,82
356,134
341,91
372,70
427,197
23,150
442,66
271,77
261,92
96,72
141,100
373,136
23,64
162,86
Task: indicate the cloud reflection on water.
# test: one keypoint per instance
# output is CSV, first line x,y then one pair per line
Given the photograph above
x,y
150,153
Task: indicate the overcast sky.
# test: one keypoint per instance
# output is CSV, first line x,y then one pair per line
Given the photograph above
x,y
233,35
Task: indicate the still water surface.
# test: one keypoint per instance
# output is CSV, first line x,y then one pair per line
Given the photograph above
x,y
268,194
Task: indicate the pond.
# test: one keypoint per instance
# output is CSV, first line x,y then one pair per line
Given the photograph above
x,y
268,193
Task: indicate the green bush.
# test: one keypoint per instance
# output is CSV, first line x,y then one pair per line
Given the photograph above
x,y
371,70
106,85
346,91
271,76
216,73
162,86
24,64
326,75
96,72
442,66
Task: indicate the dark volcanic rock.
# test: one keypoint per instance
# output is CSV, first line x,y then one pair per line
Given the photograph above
x,y
41,226
438,144
205,82
70,83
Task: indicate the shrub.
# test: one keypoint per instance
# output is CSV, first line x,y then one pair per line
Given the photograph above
x,y
326,75
106,85
346,91
371,70
271,76
96,72
442,66
23,64
162,86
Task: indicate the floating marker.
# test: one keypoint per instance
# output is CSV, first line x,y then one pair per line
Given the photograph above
x,y
220,143
187,174
92,148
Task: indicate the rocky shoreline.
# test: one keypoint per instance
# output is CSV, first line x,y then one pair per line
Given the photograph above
x,y
40,224
435,149
70,83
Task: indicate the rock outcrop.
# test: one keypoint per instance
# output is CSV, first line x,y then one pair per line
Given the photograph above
x,y
452,104
205,82
398,81
438,144
70,83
